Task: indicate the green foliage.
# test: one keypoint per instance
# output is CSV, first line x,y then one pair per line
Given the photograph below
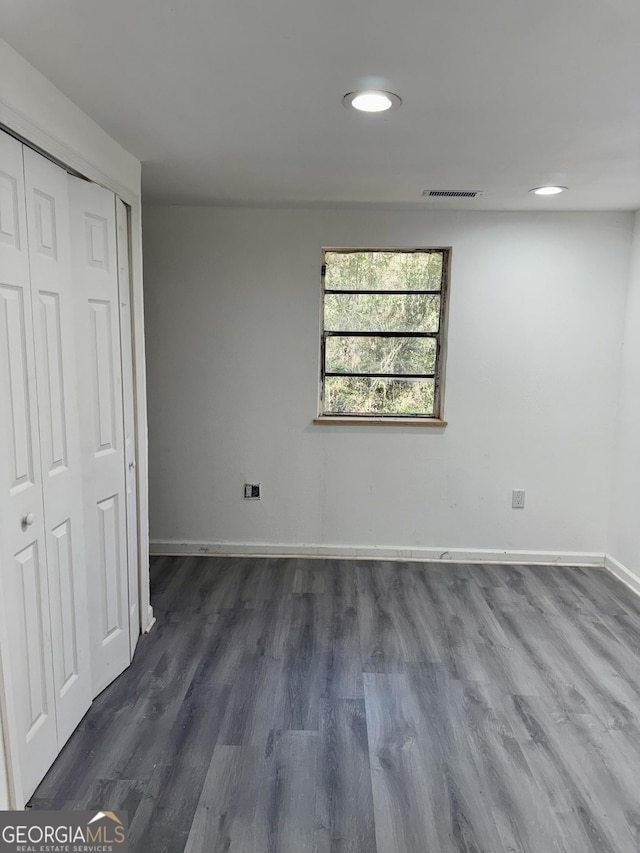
x,y
380,355
369,395
404,311
396,270
373,312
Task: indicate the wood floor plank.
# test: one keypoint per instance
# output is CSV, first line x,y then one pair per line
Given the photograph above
x,y
287,800
508,786
380,640
582,782
457,635
452,750
344,797
178,780
226,818
419,618
256,702
310,577
306,661
406,814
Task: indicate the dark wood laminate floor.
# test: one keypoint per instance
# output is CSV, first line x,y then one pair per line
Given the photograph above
x,y
325,706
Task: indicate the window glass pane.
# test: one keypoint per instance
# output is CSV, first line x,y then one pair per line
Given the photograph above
x,y
365,312
380,355
383,270
359,395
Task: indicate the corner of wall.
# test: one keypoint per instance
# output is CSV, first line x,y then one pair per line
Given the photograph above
x,y
623,529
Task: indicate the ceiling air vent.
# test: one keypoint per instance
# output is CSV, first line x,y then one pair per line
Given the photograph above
x,y
451,193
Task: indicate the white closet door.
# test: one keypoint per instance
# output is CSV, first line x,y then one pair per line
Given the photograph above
x,y
131,481
25,630
95,278
47,201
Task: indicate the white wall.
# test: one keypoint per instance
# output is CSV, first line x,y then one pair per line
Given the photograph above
x,y
536,315
624,531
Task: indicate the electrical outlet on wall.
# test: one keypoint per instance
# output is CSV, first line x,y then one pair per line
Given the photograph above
x,y
252,491
517,499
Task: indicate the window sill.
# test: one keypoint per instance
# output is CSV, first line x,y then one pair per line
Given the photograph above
x,y
336,420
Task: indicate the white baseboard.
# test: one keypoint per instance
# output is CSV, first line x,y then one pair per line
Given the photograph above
x,y
151,620
622,573
369,552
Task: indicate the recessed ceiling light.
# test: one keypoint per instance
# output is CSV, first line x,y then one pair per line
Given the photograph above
x,y
547,190
371,100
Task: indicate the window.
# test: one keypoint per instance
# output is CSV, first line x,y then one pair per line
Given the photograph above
x,y
384,313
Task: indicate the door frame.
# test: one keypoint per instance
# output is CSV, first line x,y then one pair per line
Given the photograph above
x,y
35,134
129,388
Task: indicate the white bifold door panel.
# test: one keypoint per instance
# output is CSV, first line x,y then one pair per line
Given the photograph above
x,y
131,477
45,661
95,282
47,199
24,624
